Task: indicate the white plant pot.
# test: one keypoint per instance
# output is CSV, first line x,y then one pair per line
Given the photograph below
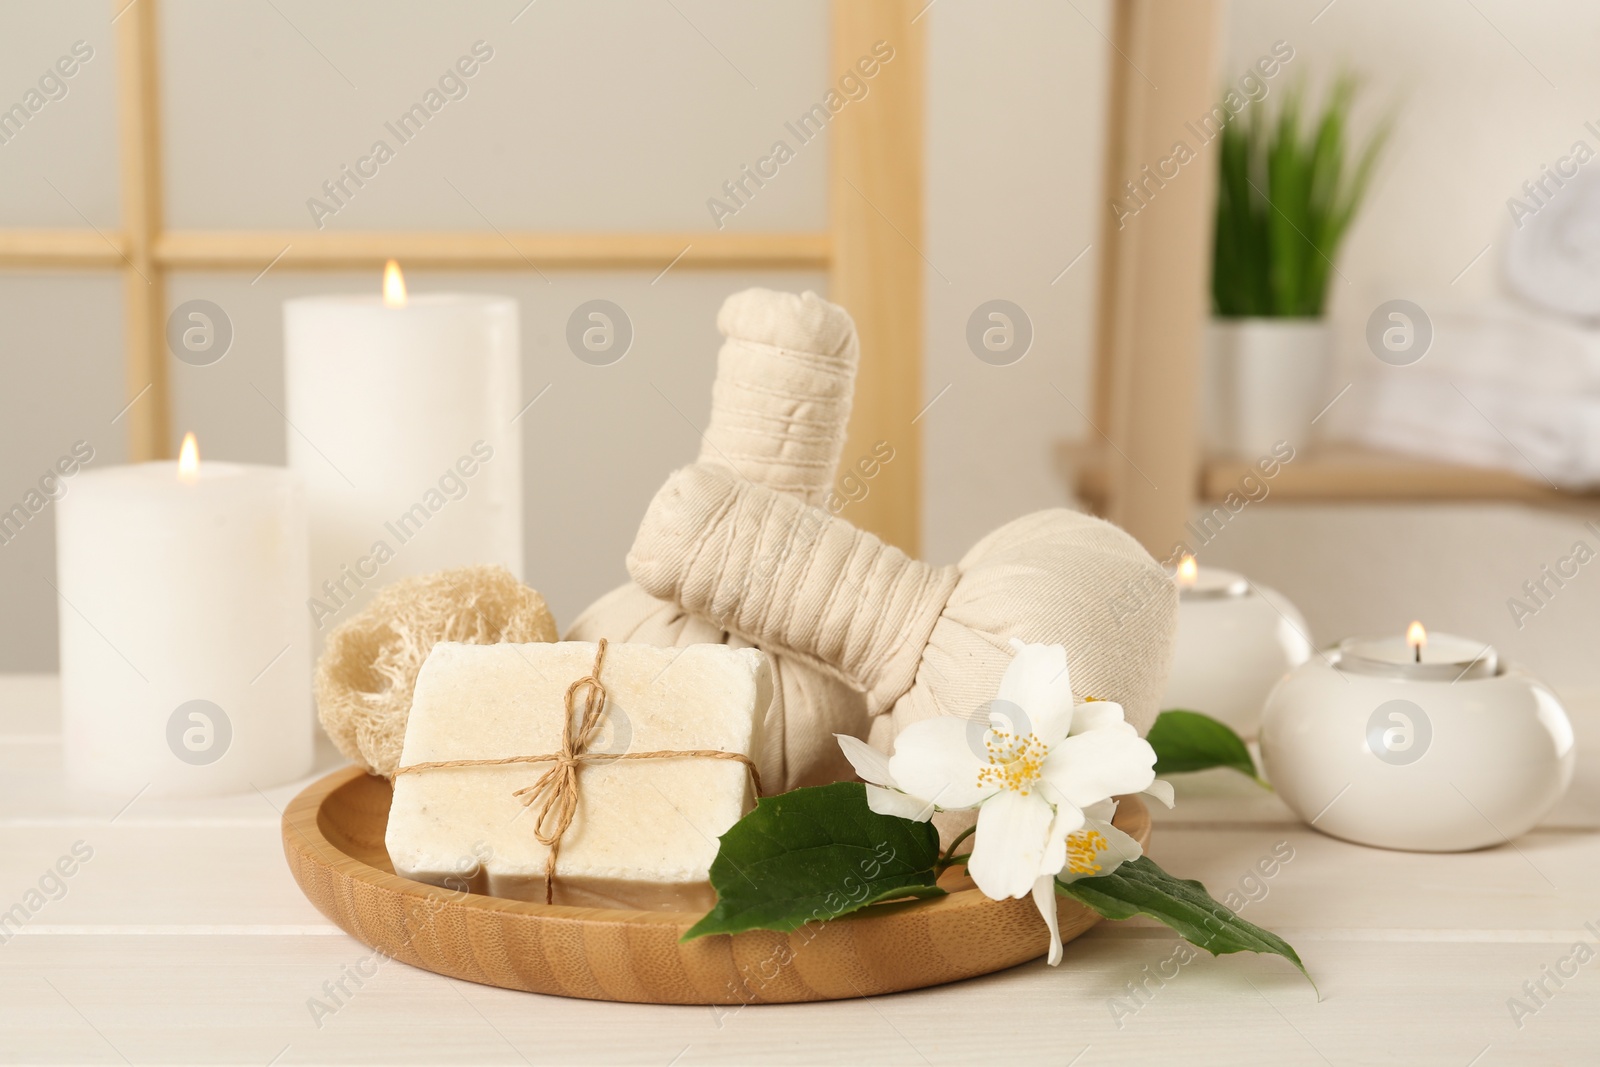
x,y
1264,382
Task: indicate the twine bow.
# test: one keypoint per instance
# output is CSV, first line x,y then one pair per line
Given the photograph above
x,y
556,791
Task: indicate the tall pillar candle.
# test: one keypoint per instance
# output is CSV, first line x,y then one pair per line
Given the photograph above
x,y
185,648
402,421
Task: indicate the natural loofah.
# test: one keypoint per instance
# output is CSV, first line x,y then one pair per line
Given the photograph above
x,y
367,671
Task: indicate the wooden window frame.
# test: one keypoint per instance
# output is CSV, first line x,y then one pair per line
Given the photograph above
x,y
870,249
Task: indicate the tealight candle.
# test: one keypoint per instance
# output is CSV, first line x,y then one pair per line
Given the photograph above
x,y
1420,656
403,419
1235,640
185,648
1427,742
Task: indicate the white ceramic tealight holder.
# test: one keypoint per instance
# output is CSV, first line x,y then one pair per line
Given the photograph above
x,y
1425,743
1235,641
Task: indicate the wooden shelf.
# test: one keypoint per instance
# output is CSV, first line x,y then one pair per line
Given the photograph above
x,y
1338,474
1350,473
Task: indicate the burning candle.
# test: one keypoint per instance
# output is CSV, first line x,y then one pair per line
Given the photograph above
x,y
1419,655
185,651
394,286
1428,742
403,414
1235,641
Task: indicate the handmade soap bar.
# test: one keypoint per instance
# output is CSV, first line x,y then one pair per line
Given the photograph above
x,y
645,829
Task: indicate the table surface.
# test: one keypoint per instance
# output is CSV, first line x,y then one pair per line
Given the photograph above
x,y
183,939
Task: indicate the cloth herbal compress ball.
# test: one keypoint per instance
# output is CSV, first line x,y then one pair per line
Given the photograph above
x,y
920,641
369,667
786,375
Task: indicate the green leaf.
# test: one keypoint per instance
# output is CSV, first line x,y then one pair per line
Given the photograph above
x,y
1189,741
1139,887
815,854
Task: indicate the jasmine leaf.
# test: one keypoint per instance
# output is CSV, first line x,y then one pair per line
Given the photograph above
x,y
1189,741
1139,887
815,854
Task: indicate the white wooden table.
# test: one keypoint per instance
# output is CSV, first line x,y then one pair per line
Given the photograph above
x,y
183,939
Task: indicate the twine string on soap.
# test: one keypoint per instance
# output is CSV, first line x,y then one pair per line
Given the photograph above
x,y
556,791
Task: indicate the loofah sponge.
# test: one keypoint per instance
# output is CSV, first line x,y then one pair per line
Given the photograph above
x,y
367,671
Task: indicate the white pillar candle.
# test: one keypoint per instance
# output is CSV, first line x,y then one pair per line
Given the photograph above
x,y
402,421
185,649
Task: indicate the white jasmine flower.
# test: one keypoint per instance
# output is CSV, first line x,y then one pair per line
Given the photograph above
x,y
1041,777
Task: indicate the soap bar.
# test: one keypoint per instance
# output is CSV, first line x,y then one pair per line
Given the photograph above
x,y
645,830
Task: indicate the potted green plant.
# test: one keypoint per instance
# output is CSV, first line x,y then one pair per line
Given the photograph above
x,y
1286,195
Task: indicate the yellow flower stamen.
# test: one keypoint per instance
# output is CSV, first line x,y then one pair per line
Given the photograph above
x,y
1014,762
1083,851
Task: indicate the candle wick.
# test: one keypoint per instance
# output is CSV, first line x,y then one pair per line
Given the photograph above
x,y
1418,650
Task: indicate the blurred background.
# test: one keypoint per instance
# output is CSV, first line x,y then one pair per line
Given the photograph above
x,y
1438,385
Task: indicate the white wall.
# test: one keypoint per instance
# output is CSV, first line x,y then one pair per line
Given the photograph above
x,y
608,115
62,168
63,384
1016,97
60,333
1363,569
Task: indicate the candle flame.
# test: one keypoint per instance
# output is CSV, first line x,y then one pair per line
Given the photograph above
x,y
1416,636
1188,572
189,460
394,286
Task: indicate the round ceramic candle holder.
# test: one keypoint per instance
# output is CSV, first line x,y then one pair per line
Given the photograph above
x,y
1235,641
1450,752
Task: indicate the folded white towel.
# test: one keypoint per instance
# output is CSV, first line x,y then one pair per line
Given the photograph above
x,y
1553,255
1538,433
1497,341
1501,387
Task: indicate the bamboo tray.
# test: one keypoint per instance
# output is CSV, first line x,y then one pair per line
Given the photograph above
x,y
333,839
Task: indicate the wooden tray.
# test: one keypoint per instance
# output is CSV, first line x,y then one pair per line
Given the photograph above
x,y
333,838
